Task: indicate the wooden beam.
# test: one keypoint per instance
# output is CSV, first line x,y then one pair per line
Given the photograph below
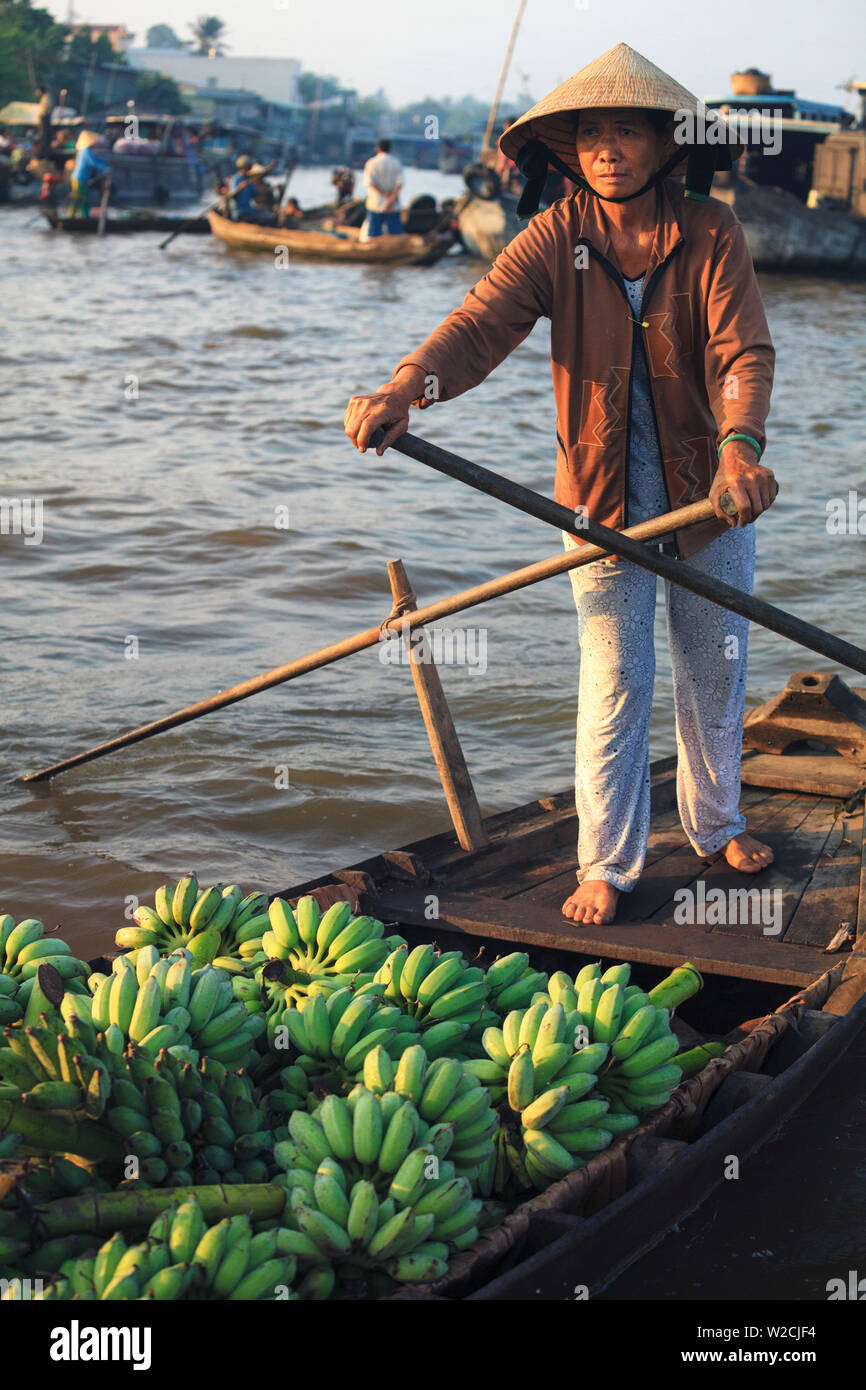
x,y
450,763
528,924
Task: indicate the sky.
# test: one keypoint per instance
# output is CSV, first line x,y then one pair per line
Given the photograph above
x,y
418,48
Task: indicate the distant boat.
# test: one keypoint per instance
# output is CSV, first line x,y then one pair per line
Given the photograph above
x,y
157,165
337,245
803,214
144,221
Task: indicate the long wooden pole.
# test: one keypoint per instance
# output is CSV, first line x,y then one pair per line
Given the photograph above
x,y
444,608
619,543
491,120
450,763
103,207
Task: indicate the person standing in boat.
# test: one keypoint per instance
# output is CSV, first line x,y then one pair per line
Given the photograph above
x,y
88,165
44,107
662,369
241,192
383,179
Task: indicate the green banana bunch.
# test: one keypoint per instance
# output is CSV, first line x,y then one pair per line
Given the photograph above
x,y
182,1258
172,1002
332,1034
189,1126
511,983
436,988
369,1188
183,1125
308,952
24,947
543,1082
635,1026
46,1070
211,922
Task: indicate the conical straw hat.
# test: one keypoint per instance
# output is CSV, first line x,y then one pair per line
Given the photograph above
x,y
620,77
87,139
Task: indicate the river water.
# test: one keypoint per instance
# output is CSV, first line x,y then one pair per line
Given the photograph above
x,y
168,407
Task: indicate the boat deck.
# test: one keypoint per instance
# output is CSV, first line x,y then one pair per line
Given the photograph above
x,y
512,890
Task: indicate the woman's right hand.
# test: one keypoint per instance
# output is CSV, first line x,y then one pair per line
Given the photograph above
x,y
387,408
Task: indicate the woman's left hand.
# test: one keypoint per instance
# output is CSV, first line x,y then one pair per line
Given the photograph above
x,y
753,487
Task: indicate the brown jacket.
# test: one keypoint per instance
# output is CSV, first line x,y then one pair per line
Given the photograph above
x,y
705,334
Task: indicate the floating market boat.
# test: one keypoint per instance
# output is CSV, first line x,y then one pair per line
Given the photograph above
x,y
126,223
338,245
785,1005
781,232
782,954
157,165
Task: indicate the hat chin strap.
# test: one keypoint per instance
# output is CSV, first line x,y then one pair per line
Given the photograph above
x,y
535,157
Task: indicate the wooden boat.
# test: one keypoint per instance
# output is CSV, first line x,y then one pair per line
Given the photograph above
x,y
785,1004
342,245
157,166
487,224
126,223
781,232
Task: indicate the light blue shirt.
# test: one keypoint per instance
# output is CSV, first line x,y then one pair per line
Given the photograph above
x,y
87,164
647,493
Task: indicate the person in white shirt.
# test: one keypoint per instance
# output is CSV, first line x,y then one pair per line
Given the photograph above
x,y
383,178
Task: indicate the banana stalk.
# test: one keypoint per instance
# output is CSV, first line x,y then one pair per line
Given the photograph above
x,y
118,1211
44,1130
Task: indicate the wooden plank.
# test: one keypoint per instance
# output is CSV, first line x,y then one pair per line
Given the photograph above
x,y
653,899
450,763
532,924
786,879
666,837
824,775
832,894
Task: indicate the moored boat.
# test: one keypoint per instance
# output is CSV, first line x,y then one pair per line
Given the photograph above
x,y
781,232
126,223
157,165
343,244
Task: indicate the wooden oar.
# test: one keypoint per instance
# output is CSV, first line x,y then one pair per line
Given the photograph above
x,y
534,504
444,608
187,222
103,206
293,164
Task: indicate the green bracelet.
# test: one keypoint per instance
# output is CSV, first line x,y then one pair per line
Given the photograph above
x,y
728,437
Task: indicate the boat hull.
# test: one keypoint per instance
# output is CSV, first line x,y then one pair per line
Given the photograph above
x,y
143,178
487,224
117,226
781,232
316,245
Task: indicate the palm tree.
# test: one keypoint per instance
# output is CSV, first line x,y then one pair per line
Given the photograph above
x,y
207,33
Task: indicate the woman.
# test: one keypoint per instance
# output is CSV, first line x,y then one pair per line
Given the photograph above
x,y
87,166
662,369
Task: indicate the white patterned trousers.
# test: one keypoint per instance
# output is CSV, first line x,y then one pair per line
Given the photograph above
x,y
615,608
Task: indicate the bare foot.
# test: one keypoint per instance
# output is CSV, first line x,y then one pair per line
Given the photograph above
x,y
747,854
594,901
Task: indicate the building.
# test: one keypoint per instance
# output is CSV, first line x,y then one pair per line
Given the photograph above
x,y
275,79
